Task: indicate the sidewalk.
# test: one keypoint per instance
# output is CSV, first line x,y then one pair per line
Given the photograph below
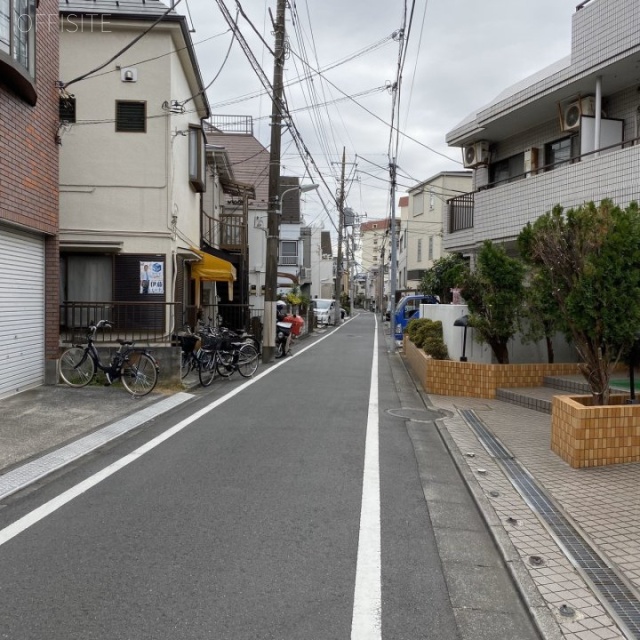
x,y
602,504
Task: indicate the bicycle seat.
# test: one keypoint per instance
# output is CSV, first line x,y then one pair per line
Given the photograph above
x,y
125,343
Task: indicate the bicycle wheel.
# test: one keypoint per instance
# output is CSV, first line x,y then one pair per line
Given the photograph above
x,y
207,368
247,360
224,363
187,364
77,367
139,374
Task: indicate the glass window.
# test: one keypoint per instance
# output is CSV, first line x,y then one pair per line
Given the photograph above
x,y
196,158
419,257
288,252
507,170
18,31
558,152
418,204
430,247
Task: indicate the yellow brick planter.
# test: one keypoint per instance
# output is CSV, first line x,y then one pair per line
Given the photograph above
x,y
476,379
584,435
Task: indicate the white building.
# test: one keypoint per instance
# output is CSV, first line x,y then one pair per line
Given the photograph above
x,y
566,135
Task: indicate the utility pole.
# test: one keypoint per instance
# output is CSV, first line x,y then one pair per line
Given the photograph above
x,y
338,316
393,276
273,211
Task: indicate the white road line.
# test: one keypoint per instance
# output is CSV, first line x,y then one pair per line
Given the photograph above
x,y
366,623
48,508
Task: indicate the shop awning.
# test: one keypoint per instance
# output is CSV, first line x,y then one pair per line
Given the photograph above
x,y
212,268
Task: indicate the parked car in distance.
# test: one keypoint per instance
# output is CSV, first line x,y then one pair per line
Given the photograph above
x,y
324,310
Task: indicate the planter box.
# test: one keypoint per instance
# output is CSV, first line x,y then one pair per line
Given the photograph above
x,y
477,379
584,435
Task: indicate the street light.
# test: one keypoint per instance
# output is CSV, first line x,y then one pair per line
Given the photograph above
x,y
271,277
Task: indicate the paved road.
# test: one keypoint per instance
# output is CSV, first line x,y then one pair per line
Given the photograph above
x,y
316,502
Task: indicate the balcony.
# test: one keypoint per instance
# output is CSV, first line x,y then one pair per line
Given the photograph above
x,y
288,261
229,233
499,212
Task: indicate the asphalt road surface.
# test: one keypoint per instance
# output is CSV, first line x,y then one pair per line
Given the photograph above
x,y
292,506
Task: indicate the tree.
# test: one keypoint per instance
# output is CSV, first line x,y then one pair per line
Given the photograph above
x,y
446,273
591,256
493,292
540,313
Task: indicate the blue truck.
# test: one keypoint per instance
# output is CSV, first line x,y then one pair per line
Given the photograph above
x,y
407,308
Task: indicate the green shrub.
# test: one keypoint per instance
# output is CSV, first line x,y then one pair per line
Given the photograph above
x,y
426,334
436,348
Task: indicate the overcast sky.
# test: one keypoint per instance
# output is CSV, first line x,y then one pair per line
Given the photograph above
x,y
460,54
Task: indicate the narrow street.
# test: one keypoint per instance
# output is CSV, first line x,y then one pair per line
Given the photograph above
x,y
315,501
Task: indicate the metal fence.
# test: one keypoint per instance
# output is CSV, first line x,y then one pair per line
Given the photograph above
x,y
158,322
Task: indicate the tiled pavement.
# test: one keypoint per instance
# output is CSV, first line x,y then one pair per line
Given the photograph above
x,y
602,503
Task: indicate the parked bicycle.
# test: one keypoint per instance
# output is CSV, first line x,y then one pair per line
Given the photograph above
x,y
190,344
135,367
222,354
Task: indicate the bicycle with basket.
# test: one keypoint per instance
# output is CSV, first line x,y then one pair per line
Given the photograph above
x,y
134,366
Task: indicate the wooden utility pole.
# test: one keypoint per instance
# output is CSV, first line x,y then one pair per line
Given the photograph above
x,y
338,286
273,211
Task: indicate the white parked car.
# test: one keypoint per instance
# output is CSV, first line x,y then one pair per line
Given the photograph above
x,y
325,311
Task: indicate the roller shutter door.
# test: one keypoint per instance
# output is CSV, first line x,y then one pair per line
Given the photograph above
x,y
21,311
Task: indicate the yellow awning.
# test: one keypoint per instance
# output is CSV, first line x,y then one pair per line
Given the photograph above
x,y
212,268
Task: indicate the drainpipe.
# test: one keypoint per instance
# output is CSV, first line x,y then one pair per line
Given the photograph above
x,y
596,141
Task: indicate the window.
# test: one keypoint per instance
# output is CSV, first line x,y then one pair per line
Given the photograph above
x,y
131,117
430,247
507,170
18,46
288,253
559,152
196,158
419,258
418,204
432,200
67,109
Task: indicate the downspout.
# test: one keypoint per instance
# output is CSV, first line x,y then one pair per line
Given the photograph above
x,y
596,141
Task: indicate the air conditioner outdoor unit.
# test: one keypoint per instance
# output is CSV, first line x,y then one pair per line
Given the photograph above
x,y
476,154
573,111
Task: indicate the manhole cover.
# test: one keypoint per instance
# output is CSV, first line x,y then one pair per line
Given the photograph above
x,y
417,415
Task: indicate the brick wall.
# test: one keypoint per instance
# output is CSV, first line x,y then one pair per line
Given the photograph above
x,y
584,435
477,379
29,160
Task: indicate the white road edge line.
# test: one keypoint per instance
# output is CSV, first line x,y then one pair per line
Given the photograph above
x,y
366,623
56,503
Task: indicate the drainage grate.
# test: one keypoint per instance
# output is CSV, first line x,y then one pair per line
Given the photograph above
x,y
619,600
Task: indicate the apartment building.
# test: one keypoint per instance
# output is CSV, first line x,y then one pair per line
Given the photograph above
x,y
566,135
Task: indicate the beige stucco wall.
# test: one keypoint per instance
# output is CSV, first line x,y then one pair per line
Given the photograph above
x,y
126,187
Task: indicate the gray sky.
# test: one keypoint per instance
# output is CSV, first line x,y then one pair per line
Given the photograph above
x,y
460,54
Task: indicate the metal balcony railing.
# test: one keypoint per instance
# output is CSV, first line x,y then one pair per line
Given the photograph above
x,y
460,212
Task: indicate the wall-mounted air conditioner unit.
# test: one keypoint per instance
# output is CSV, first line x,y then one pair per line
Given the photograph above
x,y
475,154
572,112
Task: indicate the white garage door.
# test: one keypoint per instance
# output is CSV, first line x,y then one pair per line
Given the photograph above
x,y
21,311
